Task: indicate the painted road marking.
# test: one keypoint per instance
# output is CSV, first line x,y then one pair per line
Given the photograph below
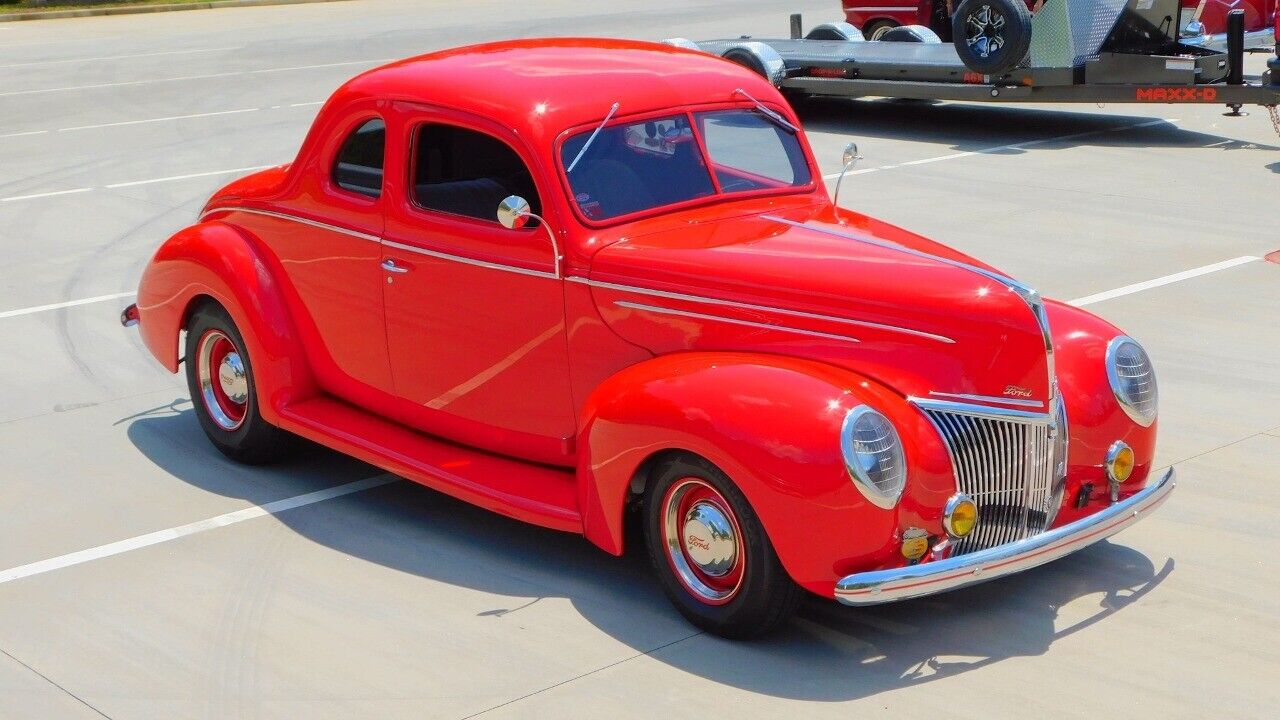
x,y
117,57
191,77
67,304
171,178
1003,148
55,193
181,531
134,183
1158,282
159,119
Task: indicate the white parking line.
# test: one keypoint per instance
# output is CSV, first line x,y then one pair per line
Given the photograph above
x,y
1166,280
55,193
191,77
159,119
134,183
117,57
171,178
67,304
1003,148
160,536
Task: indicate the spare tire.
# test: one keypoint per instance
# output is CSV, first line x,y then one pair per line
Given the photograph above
x,y
910,33
992,37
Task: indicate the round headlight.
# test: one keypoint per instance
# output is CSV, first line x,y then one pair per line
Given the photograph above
x,y
873,455
1133,380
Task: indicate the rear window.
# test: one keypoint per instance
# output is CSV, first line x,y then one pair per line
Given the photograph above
x,y
358,167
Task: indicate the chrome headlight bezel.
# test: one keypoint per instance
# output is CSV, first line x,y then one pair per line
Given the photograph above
x,y
884,498
1121,394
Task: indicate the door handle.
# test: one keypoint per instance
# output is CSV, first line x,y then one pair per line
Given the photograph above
x,y
390,266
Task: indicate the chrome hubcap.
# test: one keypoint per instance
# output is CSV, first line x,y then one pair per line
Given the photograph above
x,y
232,378
223,380
709,540
702,539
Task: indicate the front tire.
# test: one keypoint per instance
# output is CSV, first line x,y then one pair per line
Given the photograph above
x,y
711,553
223,391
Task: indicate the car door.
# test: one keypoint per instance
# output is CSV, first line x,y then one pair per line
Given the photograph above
x,y
326,235
475,311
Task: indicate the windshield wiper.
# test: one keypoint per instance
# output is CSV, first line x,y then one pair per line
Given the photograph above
x,y
592,139
764,110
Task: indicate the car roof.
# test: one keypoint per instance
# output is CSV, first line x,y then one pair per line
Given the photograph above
x,y
542,86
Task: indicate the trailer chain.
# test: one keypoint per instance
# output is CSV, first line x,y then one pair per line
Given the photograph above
x,y
1274,111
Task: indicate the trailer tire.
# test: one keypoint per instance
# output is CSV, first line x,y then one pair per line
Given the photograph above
x,y
992,37
759,58
875,30
911,33
835,31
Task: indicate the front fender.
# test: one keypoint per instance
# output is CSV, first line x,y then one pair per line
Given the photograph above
x,y
215,260
1094,418
772,424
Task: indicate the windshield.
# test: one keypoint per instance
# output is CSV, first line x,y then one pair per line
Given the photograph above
x,y
635,166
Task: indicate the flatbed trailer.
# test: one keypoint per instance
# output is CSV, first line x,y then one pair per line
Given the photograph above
x,y
1081,51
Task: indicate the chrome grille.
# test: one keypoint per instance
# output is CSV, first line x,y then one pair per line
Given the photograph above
x,y
1006,465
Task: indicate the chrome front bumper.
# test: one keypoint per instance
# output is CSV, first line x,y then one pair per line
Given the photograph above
x,y
882,586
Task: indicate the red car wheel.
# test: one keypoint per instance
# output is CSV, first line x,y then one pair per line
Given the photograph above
x,y
702,538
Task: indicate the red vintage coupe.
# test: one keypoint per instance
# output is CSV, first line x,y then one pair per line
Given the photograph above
x,y
565,279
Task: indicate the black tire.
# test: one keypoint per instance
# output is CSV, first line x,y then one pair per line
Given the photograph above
x,y
992,37
875,30
764,595
911,33
242,436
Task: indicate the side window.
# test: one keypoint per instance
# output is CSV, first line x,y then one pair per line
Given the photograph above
x,y
463,172
358,167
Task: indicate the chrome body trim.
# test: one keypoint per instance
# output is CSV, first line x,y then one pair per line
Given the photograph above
x,y
1028,295
984,410
294,218
882,586
470,261
732,321
1113,379
748,306
988,398
873,494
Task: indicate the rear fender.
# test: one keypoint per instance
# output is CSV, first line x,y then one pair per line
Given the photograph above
x,y
216,261
772,424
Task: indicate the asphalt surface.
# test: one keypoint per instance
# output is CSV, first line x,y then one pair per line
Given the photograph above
x,y
118,600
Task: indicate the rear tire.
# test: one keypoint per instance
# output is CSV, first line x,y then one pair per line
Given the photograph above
x,y
992,37
876,30
730,582
220,379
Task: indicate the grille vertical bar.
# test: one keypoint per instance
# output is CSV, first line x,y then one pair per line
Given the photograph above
x,y
1006,466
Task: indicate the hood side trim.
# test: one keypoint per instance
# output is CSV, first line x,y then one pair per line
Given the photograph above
x,y
732,321
760,308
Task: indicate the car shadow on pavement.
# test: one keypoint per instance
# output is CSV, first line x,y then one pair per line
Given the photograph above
x,y
1002,129
827,653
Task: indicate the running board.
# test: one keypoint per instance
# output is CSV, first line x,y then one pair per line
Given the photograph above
x,y
528,492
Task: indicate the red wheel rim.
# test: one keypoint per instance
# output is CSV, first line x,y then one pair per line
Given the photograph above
x,y
223,379
703,540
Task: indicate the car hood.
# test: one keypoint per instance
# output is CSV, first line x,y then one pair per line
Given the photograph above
x,y
890,304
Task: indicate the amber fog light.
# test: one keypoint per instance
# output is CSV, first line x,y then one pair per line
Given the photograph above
x,y
1119,463
960,515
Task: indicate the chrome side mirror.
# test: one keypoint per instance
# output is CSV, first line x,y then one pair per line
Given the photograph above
x,y
849,158
514,214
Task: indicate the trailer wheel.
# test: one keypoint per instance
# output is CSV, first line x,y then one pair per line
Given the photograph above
x,y
876,30
760,58
992,37
835,31
910,33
